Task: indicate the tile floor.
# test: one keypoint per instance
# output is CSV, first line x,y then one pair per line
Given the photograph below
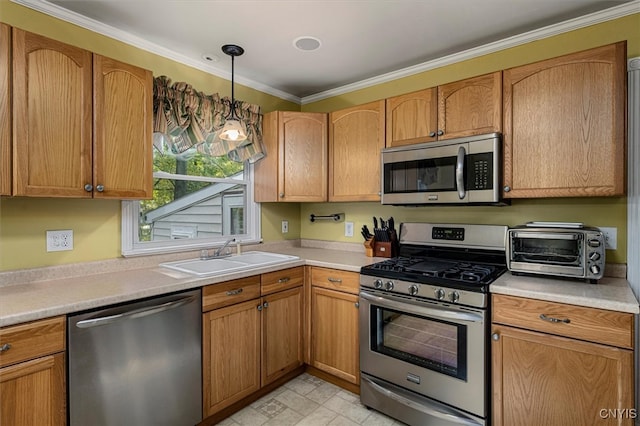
x,y
309,401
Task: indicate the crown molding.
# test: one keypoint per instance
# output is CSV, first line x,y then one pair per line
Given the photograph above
x,y
128,38
538,34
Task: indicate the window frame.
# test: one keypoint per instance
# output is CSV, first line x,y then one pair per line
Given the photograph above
x,y
132,246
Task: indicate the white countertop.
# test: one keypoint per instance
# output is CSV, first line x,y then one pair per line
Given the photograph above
x,y
47,292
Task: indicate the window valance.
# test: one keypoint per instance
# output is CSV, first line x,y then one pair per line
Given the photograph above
x,y
186,119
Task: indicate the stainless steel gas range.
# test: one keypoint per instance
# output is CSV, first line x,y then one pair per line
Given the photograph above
x,y
424,324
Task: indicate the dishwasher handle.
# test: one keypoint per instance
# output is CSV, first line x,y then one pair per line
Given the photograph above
x,y
136,313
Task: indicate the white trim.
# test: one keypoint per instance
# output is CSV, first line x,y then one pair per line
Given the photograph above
x,y
633,200
123,36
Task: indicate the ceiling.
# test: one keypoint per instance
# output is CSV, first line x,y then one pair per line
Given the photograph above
x,y
360,40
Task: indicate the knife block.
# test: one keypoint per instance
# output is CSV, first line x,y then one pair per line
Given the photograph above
x,y
383,249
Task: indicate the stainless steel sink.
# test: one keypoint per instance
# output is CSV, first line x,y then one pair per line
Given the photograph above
x,y
245,261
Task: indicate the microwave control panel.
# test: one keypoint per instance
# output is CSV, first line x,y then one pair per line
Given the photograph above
x,y
480,168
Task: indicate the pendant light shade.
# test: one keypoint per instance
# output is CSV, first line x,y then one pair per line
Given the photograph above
x,y
233,130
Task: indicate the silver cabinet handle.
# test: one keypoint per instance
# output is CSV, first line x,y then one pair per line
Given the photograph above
x,y
100,188
507,188
234,292
281,195
554,320
334,280
284,280
88,187
136,313
259,307
495,336
432,134
5,347
265,305
357,304
440,132
460,172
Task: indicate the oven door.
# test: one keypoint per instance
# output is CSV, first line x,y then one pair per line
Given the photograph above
x,y
436,350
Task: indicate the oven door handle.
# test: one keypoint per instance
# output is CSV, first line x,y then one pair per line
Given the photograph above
x,y
419,309
421,406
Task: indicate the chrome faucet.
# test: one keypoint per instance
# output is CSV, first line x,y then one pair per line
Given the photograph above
x,y
204,254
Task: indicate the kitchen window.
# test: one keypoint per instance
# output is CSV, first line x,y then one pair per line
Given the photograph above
x,y
198,201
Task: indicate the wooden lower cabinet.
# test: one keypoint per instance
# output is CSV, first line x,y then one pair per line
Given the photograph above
x,y
32,374
556,365
334,333
249,344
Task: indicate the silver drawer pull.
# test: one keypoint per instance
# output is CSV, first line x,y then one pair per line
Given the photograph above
x,y
5,347
334,280
552,319
284,280
234,292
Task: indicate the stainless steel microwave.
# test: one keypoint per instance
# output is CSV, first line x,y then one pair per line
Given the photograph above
x,y
458,171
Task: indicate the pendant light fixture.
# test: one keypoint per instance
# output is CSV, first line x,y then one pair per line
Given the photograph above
x,y
233,130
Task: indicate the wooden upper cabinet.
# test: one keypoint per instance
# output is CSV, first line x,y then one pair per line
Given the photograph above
x,y
463,108
295,168
470,107
52,117
356,136
122,125
5,109
564,125
412,118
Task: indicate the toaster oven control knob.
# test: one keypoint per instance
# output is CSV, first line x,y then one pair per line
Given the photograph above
x,y
454,296
413,290
439,294
594,243
594,255
389,285
377,283
595,269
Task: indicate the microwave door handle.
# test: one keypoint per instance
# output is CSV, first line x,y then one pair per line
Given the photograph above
x,y
460,172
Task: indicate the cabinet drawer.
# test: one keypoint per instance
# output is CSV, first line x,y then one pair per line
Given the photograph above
x,y
32,340
336,280
282,280
227,293
591,324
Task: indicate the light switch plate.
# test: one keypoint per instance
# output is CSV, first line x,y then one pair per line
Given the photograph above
x,y
60,240
285,226
610,237
348,229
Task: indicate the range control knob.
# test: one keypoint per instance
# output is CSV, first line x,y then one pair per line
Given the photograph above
x,y
439,294
594,255
595,269
413,290
454,296
389,285
377,283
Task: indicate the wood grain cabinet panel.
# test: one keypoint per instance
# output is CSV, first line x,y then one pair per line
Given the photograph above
x,y
295,168
564,125
560,369
412,118
356,136
5,110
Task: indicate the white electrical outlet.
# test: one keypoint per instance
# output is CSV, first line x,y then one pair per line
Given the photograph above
x,y
610,237
60,240
285,226
348,229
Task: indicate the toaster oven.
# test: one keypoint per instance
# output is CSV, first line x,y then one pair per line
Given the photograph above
x,y
563,250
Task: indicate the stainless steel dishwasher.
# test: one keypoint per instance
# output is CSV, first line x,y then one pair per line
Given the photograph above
x,y
137,364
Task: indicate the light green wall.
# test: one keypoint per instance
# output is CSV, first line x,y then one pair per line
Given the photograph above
x,y
96,223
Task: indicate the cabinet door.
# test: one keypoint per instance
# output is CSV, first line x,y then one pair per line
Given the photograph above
x,y
52,117
34,392
540,379
334,329
5,109
356,136
470,107
122,120
412,118
564,125
281,334
230,355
